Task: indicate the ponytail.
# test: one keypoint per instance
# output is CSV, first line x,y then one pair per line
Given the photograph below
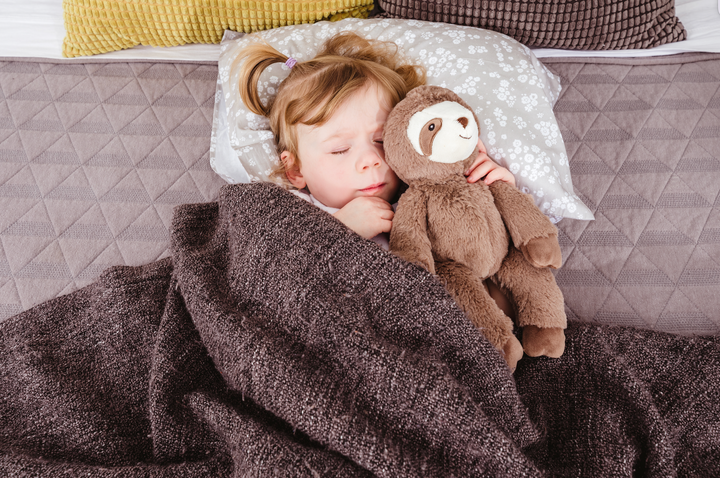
x,y
257,58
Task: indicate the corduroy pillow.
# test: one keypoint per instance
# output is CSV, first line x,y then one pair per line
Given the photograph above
x,y
100,26
568,24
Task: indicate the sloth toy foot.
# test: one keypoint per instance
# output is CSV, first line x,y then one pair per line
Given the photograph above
x,y
543,341
512,352
543,252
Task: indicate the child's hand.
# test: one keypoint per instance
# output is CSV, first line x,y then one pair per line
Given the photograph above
x,y
484,167
367,216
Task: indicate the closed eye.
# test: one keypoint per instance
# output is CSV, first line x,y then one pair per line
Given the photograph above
x,y
340,152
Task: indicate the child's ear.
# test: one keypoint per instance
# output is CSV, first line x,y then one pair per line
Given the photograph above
x,y
291,170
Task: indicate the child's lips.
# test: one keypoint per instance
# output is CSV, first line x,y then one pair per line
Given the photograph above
x,y
373,188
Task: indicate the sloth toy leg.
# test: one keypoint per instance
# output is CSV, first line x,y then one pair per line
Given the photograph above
x,y
539,304
472,296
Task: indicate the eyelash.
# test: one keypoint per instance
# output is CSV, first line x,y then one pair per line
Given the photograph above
x,y
339,153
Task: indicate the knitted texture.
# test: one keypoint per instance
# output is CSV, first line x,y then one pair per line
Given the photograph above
x,y
99,26
276,342
568,24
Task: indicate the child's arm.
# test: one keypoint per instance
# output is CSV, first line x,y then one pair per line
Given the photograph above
x,y
484,167
367,216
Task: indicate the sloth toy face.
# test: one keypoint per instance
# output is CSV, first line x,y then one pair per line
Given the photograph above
x,y
450,126
430,135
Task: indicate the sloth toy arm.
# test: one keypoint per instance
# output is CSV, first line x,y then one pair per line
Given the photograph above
x,y
531,231
409,235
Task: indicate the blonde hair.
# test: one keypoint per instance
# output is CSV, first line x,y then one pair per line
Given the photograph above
x,y
315,88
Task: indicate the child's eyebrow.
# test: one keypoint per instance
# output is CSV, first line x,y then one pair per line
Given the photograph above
x,y
347,132
336,135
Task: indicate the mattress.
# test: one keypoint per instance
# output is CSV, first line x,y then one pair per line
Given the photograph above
x,y
643,138
96,152
95,156
34,29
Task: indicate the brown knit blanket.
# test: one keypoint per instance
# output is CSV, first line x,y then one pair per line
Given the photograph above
x,y
275,342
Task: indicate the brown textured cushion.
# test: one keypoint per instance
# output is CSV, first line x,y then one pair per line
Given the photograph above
x,y
568,24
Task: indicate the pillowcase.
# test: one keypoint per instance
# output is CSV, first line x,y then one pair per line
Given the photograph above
x,y
511,92
100,26
568,24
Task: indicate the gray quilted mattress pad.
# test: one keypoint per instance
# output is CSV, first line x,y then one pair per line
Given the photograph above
x,y
643,138
95,156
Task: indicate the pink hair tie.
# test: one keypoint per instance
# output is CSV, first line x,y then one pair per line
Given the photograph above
x,y
290,62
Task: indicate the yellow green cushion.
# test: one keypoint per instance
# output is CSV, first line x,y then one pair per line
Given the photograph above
x,y
99,26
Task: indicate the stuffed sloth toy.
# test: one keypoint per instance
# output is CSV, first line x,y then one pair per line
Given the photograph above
x,y
466,233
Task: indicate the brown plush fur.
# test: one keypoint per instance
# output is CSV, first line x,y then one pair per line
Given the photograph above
x,y
466,233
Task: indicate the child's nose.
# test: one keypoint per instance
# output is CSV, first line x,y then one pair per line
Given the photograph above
x,y
369,160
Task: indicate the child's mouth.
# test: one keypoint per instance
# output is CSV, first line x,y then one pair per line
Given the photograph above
x,y
373,188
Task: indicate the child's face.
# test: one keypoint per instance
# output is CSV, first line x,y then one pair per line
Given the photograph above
x,y
344,159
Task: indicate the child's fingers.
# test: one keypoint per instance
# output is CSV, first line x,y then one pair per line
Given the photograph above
x,y
383,208
500,174
480,171
386,214
480,159
378,202
385,205
507,176
476,175
493,176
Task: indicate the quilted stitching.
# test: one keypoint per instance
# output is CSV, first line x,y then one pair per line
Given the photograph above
x,y
644,148
93,158
90,180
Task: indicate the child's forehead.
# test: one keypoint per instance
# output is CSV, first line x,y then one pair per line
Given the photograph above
x,y
367,107
370,99
380,93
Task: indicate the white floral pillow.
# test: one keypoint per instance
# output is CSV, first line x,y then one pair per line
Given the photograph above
x,y
511,92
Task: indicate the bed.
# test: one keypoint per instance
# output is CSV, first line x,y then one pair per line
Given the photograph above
x,y
84,189
97,152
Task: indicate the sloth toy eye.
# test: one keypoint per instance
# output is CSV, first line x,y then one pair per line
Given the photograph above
x,y
427,134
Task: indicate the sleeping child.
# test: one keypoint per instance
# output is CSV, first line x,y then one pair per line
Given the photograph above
x,y
328,119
